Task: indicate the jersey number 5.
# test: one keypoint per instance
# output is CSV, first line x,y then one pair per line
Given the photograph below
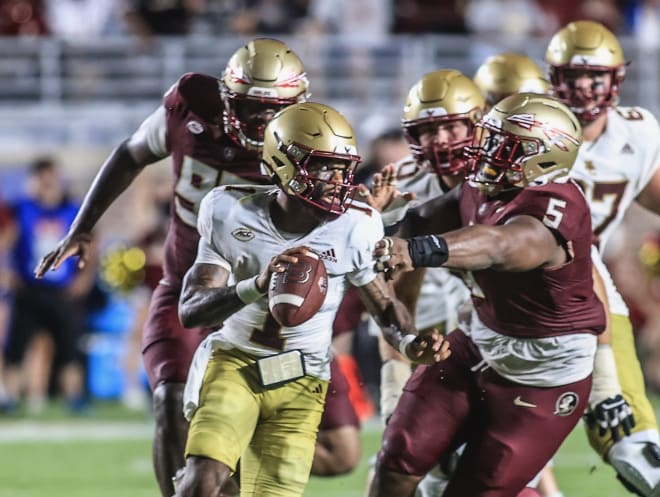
x,y
554,214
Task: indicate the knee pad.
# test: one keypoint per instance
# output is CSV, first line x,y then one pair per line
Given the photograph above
x,y
637,464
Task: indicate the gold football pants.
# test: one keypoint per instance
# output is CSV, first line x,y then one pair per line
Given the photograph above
x,y
272,430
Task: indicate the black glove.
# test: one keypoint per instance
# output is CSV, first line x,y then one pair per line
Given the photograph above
x,y
612,414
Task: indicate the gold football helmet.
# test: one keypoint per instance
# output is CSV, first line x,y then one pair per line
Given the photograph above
x,y
525,139
441,98
504,74
586,47
311,152
261,78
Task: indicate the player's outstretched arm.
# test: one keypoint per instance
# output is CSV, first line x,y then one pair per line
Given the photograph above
x,y
437,215
522,244
116,174
397,325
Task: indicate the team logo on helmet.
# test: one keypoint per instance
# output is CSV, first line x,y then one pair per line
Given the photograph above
x,y
236,74
195,127
566,404
292,80
556,136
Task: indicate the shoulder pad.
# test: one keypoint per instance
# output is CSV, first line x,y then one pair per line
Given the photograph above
x,y
197,93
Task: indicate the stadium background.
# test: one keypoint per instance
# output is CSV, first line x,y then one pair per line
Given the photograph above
x,y
73,91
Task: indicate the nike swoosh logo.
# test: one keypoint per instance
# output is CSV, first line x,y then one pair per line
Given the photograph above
x,y
521,403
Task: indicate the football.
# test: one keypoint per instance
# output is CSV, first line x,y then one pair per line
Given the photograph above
x,y
297,293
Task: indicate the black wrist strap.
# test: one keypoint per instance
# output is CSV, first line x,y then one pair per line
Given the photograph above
x,y
428,251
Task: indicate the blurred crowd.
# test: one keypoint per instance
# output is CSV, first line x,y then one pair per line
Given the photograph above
x,y
86,20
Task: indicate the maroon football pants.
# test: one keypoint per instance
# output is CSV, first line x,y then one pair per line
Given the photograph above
x,y
511,430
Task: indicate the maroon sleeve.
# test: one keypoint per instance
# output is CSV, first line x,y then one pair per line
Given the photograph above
x,y
196,93
559,206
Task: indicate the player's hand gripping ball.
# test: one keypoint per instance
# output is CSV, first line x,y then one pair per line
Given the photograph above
x,y
297,293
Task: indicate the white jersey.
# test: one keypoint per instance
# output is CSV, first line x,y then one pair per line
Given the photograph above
x,y
237,233
612,171
441,294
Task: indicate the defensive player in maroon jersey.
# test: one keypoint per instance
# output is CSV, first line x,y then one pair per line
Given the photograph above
x,y
520,232
213,131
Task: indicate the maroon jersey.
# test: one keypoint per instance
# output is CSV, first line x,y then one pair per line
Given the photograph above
x,y
543,301
201,161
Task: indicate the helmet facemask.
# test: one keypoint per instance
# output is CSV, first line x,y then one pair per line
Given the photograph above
x,y
496,158
323,180
445,158
587,103
245,116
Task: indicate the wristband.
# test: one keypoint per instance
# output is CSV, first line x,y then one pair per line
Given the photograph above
x,y
404,342
247,290
428,251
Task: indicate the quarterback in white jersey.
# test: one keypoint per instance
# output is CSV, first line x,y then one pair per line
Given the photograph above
x,y
238,234
616,165
256,388
438,121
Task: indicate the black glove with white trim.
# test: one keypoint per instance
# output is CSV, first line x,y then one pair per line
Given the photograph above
x,y
613,414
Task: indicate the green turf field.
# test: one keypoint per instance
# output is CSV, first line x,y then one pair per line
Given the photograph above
x,y
107,454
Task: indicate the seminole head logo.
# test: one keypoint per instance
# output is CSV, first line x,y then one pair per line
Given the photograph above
x,y
555,136
292,80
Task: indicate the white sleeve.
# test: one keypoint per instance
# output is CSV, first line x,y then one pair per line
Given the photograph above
x,y
207,253
153,130
652,162
365,236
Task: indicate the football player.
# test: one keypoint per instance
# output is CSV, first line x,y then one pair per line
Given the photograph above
x,y
523,362
256,388
616,165
504,74
439,115
498,77
438,121
213,131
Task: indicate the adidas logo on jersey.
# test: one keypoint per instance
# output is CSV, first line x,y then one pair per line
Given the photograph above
x,y
627,149
329,255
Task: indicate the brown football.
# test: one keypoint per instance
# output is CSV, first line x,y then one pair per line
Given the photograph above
x,y
297,293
